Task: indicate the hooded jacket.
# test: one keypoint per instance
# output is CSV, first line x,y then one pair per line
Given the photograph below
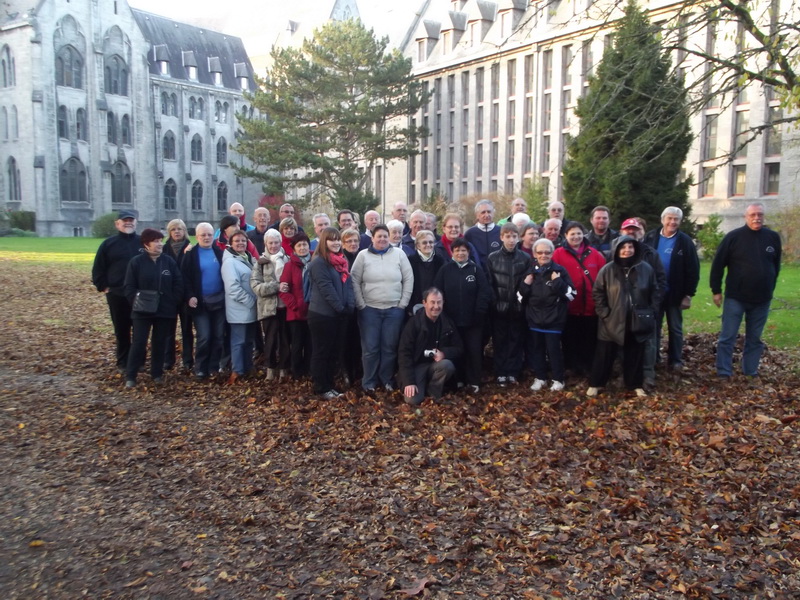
x,y
617,285
240,300
466,292
546,299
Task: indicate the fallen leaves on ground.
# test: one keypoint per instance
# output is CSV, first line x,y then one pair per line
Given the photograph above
x,y
260,490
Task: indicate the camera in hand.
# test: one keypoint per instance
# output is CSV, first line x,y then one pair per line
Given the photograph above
x,y
429,353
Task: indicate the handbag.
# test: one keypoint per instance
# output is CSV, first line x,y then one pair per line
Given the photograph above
x,y
214,301
146,302
643,320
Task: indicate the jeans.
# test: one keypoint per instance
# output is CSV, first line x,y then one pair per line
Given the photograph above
x,y
210,328
541,347
380,336
141,332
755,316
430,377
242,336
674,316
187,340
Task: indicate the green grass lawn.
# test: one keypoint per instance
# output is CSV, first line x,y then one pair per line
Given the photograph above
x,y
783,327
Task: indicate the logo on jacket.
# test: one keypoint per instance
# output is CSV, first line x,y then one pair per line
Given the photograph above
x,y
470,278
166,272
770,249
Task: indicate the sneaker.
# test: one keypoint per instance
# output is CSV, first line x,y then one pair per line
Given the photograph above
x,y
410,400
592,392
640,393
459,385
283,374
131,383
677,367
473,389
649,384
512,380
200,375
557,386
538,384
388,387
330,395
270,374
502,381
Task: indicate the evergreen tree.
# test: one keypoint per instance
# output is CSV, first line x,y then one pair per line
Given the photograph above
x,y
634,131
329,112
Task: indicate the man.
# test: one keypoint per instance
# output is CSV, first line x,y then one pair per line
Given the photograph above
x,y
428,348
416,224
285,211
552,229
555,210
108,276
400,213
321,221
601,235
256,235
205,294
682,267
346,219
371,219
484,235
518,205
752,256
634,227
431,222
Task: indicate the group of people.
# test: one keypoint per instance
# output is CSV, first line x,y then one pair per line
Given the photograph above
x,y
401,306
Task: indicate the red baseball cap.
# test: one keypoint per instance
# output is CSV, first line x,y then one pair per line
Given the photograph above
x,y
630,223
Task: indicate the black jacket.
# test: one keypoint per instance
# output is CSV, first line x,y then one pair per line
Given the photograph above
x,y
330,296
684,267
602,243
111,261
193,276
547,298
466,292
424,276
258,239
415,340
753,260
180,255
163,275
506,270
611,291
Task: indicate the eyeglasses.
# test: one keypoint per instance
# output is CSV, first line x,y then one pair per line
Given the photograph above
x,y
426,243
543,253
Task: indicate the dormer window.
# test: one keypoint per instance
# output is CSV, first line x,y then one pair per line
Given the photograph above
x,y
190,64
161,55
215,68
242,75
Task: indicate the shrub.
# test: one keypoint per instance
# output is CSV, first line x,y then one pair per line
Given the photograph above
x,y
22,219
104,227
709,236
787,223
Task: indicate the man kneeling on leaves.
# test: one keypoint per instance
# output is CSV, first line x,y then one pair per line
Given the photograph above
x,y
428,347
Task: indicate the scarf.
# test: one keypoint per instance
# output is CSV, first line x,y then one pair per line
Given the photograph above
x,y
426,258
339,262
446,245
244,256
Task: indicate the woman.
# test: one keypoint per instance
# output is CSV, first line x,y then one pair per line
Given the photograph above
x,y
227,226
382,281
332,301
351,358
546,290
467,296
240,304
176,247
583,263
453,229
154,287
287,229
396,233
425,264
291,292
529,233
270,308
622,285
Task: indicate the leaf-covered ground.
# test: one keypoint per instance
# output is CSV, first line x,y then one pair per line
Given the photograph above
x,y
262,491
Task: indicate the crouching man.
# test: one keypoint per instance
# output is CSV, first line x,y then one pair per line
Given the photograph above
x,y
429,346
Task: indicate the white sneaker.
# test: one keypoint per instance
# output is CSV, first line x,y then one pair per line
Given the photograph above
x,y
640,393
557,386
270,374
538,384
592,392
283,374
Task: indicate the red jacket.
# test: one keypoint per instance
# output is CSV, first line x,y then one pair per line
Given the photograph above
x,y
296,307
593,261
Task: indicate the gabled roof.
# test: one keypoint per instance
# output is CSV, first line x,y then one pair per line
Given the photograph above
x,y
487,10
183,44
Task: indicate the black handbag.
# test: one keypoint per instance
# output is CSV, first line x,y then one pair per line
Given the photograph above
x,y
643,320
146,302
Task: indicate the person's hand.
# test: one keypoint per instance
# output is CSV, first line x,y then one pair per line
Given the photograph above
x,y
554,275
529,279
718,300
284,287
105,291
410,391
438,355
686,302
189,247
192,302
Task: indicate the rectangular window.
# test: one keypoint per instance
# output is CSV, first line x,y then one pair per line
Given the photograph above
x,y
426,87
451,91
465,125
479,160
438,130
426,124
742,130
586,60
495,81
528,74
707,176
464,161
495,119
774,142
772,177
464,187
527,159
511,77
509,186
566,65
547,69
412,168
710,138
465,87
511,118
566,111
421,54
425,165
451,164
479,84
479,123
437,165
446,42
547,111
452,133
527,117
738,179
495,158
510,157
545,153
437,93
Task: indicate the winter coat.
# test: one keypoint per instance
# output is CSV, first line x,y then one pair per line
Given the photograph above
x,y
444,251
582,278
424,274
178,256
382,280
485,239
240,300
330,296
296,307
614,283
753,260
466,291
684,267
193,276
111,261
414,341
264,283
546,299
163,275
506,270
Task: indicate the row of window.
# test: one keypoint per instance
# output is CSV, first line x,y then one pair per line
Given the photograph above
x,y
74,187
196,148
769,184
171,195
169,107
117,133
190,67
69,71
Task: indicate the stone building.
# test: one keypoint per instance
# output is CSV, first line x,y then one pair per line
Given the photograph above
x,y
104,107
506,75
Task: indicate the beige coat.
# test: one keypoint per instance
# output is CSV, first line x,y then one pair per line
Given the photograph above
x,y
264,282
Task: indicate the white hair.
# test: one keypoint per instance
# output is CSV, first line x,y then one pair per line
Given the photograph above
x,y
520,219
395,224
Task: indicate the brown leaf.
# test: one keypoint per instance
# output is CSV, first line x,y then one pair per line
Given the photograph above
x,y
417,586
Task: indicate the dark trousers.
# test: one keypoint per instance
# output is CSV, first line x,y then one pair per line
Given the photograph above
x,y
210,327
300,348
138,352
632,362
507,333
327,334
120,310
187,340
544,347
471,366
276,340
579,340
351,351
430,377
